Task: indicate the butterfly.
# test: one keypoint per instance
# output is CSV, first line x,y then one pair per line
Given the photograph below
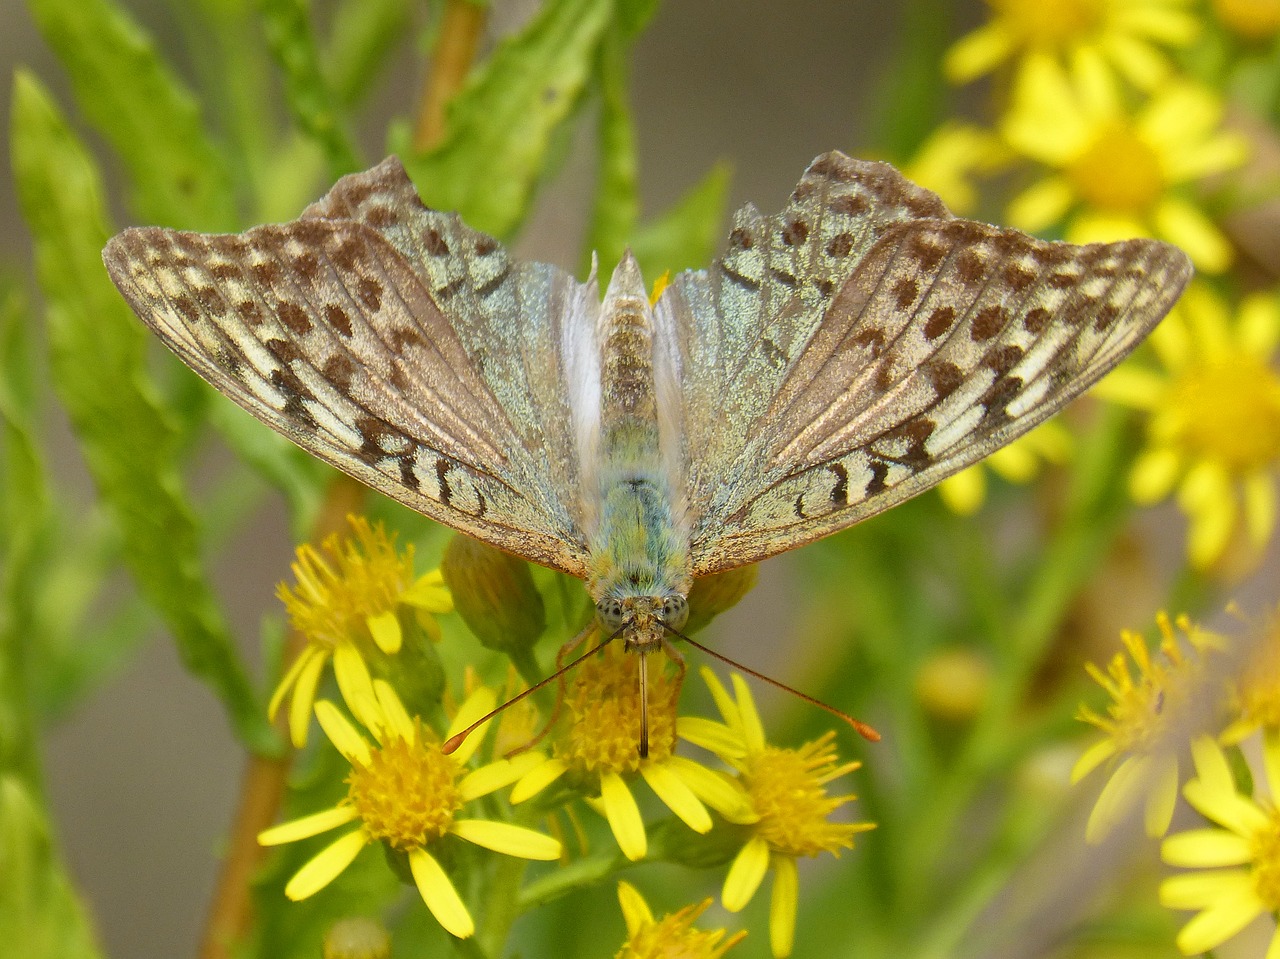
x,y
840,356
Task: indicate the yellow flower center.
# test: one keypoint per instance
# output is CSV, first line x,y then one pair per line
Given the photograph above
x,y
1252,19
788,791
1229,412
1119,172
408,794
1265,852
673,937
1050,23
604,712
356,578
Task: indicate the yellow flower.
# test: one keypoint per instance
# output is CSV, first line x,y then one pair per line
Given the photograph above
x,y
1252,19
1116,175
949,159
1018,462
598,750
787,791
1256,694
1213,430
1124,37
347,605
1240,863
405,793
1144,710
672,936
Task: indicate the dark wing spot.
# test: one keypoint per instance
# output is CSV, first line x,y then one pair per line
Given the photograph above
x,y
434,243
339,370
940,320
1107,315
784,277
402,337
871,338
346,255
989,321
306,266
972,266
337,318
824,286
876,484
1003,359
187,307
266,272
369,291
905,292
741,239
946,377
1036,320
442,478
1018,277
485,245
850,204
225,271
740,278
250,312
840,245
1063,281
795,232
381,216
840,492
294,317
926,252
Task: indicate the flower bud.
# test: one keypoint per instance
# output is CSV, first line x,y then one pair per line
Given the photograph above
x,y
712,595
494,594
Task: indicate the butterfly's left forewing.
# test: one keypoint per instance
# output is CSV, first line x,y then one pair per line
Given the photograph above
x,y
943,340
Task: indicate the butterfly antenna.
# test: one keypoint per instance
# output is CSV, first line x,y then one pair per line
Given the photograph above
x,y
456,740
644,706
862,729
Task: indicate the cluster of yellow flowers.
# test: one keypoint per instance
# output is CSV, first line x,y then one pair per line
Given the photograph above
x,y
1112,123
1192,698
760,807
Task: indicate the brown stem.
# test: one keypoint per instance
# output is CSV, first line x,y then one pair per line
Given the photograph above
x,y
262,789
460,29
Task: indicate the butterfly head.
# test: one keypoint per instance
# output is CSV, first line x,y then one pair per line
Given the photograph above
x,y
642,621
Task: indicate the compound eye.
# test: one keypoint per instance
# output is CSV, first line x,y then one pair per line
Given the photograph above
x,y
675,611
609,612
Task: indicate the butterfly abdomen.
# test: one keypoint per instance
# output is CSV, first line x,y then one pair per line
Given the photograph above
x,y
637,548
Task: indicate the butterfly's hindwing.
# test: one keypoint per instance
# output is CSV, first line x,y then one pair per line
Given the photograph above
x,y
324,329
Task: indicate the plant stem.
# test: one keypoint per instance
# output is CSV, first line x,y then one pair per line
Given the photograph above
x,y
262,789
460,29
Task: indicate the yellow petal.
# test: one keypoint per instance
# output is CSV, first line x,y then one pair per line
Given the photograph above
x,y
439,895
429,593
1258,325
1117,797
385,629
396,719
304,695
497,775
782,906
752,727
478,703
1200,848
1259,506
1154,475
724,702
1271,760
326,866
290,677
1184,225
723,794
1096,754
1221,921
508,839
356,686
1162,796
307,826
965,491
1131,385
1097,226
678,797
624,816
1195,890
746,874
1041,205
977,53
635,911
710,735
342,734
538,779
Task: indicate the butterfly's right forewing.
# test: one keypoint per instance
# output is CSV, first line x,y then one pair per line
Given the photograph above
x,y
407,374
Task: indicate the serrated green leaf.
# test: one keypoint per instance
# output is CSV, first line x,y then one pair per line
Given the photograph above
x,y
685,237
137,103
24,499
96,348
501,126
616,210
287,24
40,915
361,37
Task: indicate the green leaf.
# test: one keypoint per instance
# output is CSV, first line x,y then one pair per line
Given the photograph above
x,y
501,126
686,236
617,202
40,916
144,111
97,365
288,29
361,38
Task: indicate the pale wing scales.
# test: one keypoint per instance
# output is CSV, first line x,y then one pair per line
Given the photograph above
x,y
323,330
946,340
